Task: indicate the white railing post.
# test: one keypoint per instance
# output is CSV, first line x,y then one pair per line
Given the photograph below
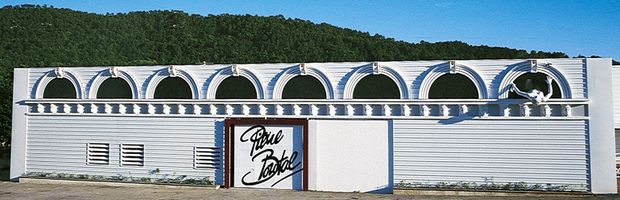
x,y
80,108
463,110
315,110
181,109
122,109
40,108
332,110
445,110
387,111
526,110
246,110
66,108
107,108
350,110
567,111
547,110
262,110
197,109
151,109
213,109
136,108
368,110
166,109
425,111
406,110
53,108
296,110
229,110
279,110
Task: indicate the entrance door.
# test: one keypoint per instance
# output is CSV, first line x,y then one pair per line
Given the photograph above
x,y
267,153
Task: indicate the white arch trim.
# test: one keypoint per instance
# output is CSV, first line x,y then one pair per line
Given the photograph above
x,y
293,72
364,71
441,70
527,67
58,73
226,72
113,73
171,72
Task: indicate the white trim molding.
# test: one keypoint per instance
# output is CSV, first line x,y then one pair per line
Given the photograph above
x,y
533,66
171,71
452,68
374,69
234,70
57,73
302,70
113,72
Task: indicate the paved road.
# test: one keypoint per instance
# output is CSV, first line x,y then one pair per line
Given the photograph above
x,y
9,190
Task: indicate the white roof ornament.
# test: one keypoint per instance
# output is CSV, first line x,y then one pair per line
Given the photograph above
x,y
173,71
533,66
113,72
452,65
376,68
235,70
59,72
302,69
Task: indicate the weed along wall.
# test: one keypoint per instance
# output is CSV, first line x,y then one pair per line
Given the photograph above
x,y
540,125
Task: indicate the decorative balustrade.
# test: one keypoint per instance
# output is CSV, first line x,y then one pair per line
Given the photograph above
x,y
396,109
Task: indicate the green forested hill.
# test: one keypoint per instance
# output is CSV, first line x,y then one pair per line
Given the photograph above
x,y
33,36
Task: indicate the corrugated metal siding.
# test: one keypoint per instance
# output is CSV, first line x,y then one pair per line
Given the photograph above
x,y
615,74
501,151
58,144
617,145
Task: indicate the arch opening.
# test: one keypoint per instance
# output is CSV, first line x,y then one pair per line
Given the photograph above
x,y
304,87
376,87
236,87
114,88
60,88
529,81
173,88
453,86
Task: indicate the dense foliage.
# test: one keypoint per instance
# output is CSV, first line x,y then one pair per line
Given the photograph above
x,y
35,36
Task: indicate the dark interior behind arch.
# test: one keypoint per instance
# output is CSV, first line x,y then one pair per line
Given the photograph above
x,y
59,88
173,88
236,87
453,86
304,87
114,88
376,87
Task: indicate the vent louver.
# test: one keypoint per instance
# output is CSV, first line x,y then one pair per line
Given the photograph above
x,y
98,154
132,155
207,157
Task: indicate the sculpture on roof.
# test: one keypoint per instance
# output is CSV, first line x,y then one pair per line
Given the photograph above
x,y
534,95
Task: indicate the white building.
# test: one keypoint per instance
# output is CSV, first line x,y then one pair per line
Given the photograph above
x,y
347,141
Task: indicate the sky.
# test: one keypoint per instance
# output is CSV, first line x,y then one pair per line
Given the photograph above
x,y
570,26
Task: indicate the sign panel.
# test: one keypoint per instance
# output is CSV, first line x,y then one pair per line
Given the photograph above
x,y
268,156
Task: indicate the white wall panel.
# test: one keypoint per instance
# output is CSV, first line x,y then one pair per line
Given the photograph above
x,y
501,151
58,144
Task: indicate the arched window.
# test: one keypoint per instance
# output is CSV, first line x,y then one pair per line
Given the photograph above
x,y
236,87
304,87
173,88
114,88
453,86
376,87
529,81
60,88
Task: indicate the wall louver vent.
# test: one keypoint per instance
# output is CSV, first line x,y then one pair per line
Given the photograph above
x,y
98,154
132,155
207,157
